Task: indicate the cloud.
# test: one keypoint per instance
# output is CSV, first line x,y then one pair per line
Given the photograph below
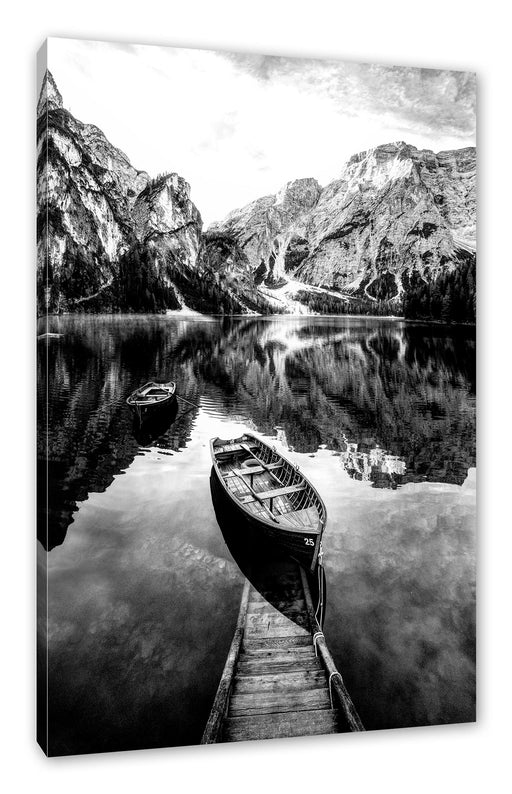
x,y
238,126
428,100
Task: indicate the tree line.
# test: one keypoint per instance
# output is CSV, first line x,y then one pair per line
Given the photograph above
x,y
450,298
324,303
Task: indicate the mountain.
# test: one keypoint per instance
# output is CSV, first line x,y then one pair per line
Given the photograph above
x,y
269,229
397,216
110,238
50,96
395,233
394,210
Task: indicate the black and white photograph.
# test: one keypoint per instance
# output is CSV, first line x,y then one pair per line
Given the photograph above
x,y
256,397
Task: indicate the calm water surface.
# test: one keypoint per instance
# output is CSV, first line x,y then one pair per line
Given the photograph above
x,y
142,590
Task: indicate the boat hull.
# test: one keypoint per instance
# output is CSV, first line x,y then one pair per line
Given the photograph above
x,y
257,557
146,429
144,410
288,541
301,544
144,407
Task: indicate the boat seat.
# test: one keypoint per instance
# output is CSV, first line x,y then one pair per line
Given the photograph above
x,y
254,470
280,491
228,449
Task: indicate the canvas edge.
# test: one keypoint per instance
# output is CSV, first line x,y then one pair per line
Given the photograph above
x,y
41,480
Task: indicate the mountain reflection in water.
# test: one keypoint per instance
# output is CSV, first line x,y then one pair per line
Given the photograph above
x,y
397,401
142,589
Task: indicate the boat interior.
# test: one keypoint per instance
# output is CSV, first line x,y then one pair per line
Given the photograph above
x,y
267,485
152,392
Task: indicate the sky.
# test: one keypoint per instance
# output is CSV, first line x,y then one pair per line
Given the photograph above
x,y
238,126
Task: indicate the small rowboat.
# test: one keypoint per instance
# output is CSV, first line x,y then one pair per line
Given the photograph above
x,y
271,495
151,397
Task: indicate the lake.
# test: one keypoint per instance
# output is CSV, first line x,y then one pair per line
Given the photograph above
x,y
143,592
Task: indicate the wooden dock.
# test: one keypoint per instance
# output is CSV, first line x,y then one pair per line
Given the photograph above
x,y
279,679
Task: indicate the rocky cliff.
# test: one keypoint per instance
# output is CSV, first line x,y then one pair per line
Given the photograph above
x,y
109,237
395,214
86,188
395,210
271,231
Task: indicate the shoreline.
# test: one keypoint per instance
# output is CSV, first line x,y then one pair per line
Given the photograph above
x,y
174,314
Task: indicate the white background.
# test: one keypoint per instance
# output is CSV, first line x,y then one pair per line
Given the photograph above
x,y
455,35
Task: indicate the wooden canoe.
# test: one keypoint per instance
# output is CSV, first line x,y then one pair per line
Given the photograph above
x,y
151,397
271,494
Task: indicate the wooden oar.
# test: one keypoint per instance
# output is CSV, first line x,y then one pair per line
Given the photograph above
x,y
269,471
257,496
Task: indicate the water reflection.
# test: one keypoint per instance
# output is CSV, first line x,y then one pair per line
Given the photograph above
x,y
142,600
373,465
270,571
401,617
143,592
395,400
152,430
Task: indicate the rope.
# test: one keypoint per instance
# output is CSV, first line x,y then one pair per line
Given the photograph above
x,y
316,637
321,583
194,405
334,672
320,596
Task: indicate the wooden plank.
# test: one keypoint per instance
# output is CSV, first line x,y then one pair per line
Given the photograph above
x,y
264,619
308,517
274,726
288,516
259,499
276,642
278,654
291,632
255,470
293,681
230,448
280,491
268,666
270,702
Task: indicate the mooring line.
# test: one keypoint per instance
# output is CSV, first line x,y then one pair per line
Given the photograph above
x,y
194,405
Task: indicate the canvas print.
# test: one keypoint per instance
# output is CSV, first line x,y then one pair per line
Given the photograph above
x,y
256,300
